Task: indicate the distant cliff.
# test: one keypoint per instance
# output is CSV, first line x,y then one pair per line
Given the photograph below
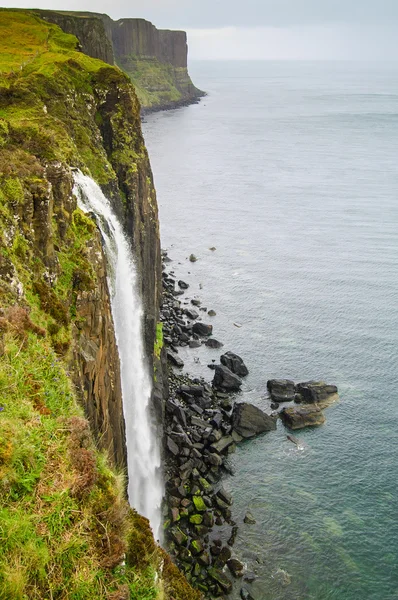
x,y
154,59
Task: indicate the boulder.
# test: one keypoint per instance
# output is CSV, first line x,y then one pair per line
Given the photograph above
x,y
319,392
191,314
192,258
183,285
236,567
202,329
194,344
224,379
248,420
249,519
213,343
245,594
281,390
172,446
234,364
212,313
222,444
175,360
297,417
222,580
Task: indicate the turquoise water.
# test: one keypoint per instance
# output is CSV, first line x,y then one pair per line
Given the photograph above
x,y
290,171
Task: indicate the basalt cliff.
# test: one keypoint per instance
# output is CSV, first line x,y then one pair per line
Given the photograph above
x,y
66,528
154,59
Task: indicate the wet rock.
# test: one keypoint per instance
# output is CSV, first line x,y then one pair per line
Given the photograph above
x,y
249,519
245,595
213,343
196,302
236,567
221,579
225,496
175,360
212,313
192,258
298,417
224,379
248,420
204,559
281,390
202,329
194,344
234,364
232,538
196,547
222,444
317,392
183,285
191,314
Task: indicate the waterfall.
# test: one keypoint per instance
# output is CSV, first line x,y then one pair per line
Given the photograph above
x,y
143,454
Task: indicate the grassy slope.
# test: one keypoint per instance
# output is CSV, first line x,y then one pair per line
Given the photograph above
x,y
65,526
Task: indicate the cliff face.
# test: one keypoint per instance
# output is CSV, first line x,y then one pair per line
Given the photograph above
x,y
155,60
66,527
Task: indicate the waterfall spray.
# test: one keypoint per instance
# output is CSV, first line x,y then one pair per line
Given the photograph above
x,y
143,453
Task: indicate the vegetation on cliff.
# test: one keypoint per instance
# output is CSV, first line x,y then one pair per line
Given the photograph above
x,y
66,530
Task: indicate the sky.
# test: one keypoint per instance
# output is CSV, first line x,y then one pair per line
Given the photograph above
x,y
262,29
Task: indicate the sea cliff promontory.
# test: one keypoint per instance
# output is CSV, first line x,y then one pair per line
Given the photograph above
x,y
156,60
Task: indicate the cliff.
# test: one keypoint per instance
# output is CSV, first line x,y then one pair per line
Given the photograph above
x,y
155,60
66,526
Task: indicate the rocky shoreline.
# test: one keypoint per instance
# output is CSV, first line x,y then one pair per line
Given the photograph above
x,y
204,423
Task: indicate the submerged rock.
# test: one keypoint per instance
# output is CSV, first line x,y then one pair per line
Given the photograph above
x,y
249,519
234,364
213,343
249,420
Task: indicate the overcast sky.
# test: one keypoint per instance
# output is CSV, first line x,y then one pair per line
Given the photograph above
x,y
263,29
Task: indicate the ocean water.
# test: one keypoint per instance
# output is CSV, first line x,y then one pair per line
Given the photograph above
x,y
290,171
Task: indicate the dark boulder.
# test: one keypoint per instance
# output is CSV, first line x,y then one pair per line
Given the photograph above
x,y
213,343
236,567
191,314
281,390
222,580
248,420
234,364
297,417
319,392
183,285
175,360
202,329
224,379
245,595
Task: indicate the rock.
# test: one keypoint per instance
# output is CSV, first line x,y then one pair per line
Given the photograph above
x,y
172,446
249,519
191,314
281,390
225,496
306,415
212,313
213,248
175,360
196,302
213,343
248,420
196,547
214,459
245,595
222,444
204,559
222,580
175,514
202,329
317,392
199,503
224,379
183,285
179,538
234,364
236,567
192,258
194,344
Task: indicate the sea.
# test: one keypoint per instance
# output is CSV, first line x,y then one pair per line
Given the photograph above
x,y
290,171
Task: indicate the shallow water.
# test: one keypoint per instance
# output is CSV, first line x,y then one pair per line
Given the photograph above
x,y
289,170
